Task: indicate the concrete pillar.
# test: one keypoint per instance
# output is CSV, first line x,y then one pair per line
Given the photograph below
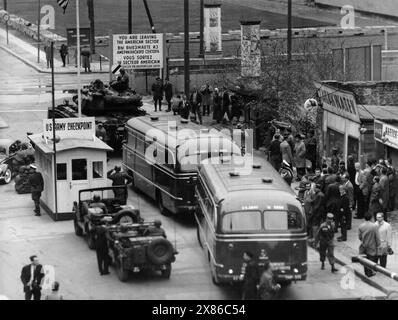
x,y
250,49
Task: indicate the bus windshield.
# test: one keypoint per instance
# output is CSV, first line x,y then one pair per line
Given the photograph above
x,y
251,221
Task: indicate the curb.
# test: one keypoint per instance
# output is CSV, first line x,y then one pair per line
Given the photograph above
x,y
38,69
343,261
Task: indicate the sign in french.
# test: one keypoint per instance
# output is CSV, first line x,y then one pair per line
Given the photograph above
x,y
138,51
73,128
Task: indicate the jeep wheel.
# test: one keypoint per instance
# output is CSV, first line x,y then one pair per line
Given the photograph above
x,y
122,273
160,251
78,230
7,176
90,239
127,216
167,272
162,209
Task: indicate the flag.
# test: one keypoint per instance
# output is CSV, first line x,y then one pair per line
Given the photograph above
x,y
63,4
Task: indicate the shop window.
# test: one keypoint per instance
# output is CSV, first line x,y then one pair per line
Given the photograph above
x,y
98,169
61,171
335,140
79,169
353,147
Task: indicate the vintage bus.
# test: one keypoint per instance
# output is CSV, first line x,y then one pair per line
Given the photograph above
x,y
162,156
256,212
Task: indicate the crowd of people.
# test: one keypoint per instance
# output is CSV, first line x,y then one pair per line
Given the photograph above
x,y
201,102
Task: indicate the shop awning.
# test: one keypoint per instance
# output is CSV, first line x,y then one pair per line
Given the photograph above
x,y
68,144
387,114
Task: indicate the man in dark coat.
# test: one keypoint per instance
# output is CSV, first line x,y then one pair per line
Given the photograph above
x,y
344,213
333,200
391,173
157,92
251,278
318,209
275,154
32,276
195,100
217,105
63,51
36,187
168,93
119,179
101,248
310,148
385,190
375,202
226,101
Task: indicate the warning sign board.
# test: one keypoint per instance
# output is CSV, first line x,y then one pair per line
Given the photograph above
x,y
138,51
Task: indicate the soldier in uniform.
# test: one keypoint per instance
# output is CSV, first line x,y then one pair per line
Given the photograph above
x,y
251,277
101,248
119,179
325,237
36,187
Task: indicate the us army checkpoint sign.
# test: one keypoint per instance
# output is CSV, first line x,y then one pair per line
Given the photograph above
x,y
73,128
138,51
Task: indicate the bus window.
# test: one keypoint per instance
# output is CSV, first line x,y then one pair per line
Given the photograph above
x,y
207,203
282,220
131,139
242,221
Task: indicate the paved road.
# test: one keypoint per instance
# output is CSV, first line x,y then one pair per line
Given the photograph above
x,y
23,234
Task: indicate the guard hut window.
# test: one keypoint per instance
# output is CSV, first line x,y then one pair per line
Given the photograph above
x,y
98,169
79,169
61,171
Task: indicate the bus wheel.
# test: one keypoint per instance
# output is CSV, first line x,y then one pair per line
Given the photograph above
x,y
162,209
198,235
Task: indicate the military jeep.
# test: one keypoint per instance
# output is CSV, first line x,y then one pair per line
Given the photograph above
x,y
87,218
137,247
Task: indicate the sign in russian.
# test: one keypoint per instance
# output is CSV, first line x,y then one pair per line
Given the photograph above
x,y
212,28
73,128
386,134
138,51
71,37
338,101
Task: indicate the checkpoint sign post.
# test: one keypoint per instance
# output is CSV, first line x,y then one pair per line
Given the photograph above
x,y
139,51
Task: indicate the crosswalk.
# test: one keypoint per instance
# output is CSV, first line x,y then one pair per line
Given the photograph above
x,y
36,84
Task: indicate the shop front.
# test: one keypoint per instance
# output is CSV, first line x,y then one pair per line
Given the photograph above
x,y
340,124
387,135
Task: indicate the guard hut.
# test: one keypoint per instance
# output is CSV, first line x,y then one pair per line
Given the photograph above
x,y
81,163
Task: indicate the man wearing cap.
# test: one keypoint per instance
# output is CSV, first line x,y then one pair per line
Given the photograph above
x,y
119,179
122,82
36,187
325,237
157,91
101,249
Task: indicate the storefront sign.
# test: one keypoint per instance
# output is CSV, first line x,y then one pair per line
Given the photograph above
x,y
250,49
386,134
72,128
138,51
338,102
212,28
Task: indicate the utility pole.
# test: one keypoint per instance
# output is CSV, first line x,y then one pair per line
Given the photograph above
x,y
202,26
54,142
90,5
130,11
186,48
289,31
38,31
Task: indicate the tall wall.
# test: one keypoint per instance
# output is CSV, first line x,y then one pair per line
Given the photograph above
x,y
385,7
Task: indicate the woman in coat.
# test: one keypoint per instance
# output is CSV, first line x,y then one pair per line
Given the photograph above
x,y
86,59
299,156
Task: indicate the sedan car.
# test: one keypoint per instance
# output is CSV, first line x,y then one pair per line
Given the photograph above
x,y
5,161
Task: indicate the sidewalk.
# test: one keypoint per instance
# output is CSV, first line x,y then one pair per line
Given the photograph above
x,y
24,49
344,251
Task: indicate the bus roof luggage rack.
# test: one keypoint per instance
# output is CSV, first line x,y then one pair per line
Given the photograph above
x,y
267,180
154,118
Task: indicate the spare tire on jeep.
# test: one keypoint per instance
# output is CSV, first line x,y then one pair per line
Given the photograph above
x,y
127,216
160,251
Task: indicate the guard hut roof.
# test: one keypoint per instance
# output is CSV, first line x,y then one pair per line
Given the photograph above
x,y
68,144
